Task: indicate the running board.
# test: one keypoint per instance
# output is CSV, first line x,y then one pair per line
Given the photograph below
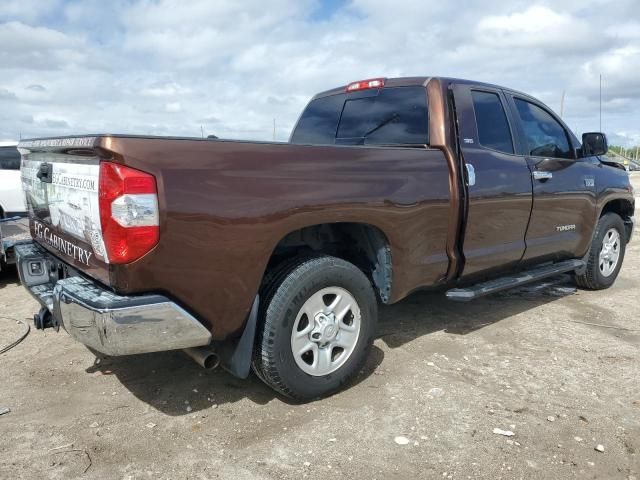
x,y
503,283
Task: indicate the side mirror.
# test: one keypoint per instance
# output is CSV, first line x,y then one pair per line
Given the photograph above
x,y
594,143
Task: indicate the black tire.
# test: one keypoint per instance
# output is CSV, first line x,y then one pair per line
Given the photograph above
x,y
288,289
593,278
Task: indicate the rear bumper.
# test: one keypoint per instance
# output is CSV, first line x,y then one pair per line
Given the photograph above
x,y
98,318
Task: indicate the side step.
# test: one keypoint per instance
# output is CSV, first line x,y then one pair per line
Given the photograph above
x,y
503,283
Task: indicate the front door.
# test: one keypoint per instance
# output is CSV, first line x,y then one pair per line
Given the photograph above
x,y
499,183
564,194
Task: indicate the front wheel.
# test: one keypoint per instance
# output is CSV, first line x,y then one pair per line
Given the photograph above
x,y
318,324
606,254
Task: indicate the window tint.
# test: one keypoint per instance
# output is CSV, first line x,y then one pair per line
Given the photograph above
x,y
493,127
394,116
319,121
545,136
9,158
388,116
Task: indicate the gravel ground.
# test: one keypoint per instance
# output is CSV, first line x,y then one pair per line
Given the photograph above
x,y
556,366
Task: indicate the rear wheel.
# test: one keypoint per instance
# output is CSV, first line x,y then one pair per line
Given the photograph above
x,y
318,324
606,254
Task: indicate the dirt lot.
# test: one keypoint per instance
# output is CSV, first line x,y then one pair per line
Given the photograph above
x,y
559,368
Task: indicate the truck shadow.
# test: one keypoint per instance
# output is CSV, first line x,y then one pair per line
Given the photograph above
x,y
8,276
175,385
424,313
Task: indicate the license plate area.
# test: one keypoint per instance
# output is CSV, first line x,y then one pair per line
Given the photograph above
x,y
37,267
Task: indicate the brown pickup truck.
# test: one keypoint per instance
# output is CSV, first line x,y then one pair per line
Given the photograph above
x,y
276,255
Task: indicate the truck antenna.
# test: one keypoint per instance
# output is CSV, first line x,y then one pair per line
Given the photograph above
x,y
600,102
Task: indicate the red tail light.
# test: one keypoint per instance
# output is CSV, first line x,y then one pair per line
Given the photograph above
x,y
128,212
365,84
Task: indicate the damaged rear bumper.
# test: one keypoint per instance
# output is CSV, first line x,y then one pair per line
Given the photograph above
x,y
109,323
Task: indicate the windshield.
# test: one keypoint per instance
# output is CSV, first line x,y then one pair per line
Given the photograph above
x,y
9,158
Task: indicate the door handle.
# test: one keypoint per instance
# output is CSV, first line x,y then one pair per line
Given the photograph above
x,y
471,175
542,175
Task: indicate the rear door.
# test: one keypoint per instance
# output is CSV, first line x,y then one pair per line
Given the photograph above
x,y
564,194
499,180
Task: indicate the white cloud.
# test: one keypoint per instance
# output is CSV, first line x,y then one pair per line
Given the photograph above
x,y
618,67
29,10
173,107
25,46
537,27
173,67
164,89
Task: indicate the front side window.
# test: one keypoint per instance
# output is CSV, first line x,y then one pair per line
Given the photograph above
x,y
493,127
545,136
9,158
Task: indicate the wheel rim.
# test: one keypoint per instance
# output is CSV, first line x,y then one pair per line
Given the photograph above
x,y
610,252
326,331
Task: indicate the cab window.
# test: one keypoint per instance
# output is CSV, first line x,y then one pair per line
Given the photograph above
x,y
395,116
9,158
385,116
493,127
545,136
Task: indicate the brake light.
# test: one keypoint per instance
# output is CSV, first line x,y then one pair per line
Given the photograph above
x,y
128,212
365,84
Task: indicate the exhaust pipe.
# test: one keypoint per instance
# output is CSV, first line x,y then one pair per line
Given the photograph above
x,y
203,356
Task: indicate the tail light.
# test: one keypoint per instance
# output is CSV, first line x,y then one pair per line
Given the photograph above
x,y
128,212
365,84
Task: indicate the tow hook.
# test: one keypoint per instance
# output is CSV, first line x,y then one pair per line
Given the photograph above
x,y
43,319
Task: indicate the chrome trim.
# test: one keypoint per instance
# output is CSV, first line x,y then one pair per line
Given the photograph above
x,y
471,175
125,331
542,175
107,322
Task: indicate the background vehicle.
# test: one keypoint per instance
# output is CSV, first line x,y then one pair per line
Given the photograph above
x,y
276,255
11,197
634,167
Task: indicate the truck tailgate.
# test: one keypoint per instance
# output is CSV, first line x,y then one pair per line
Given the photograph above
x,y
60,178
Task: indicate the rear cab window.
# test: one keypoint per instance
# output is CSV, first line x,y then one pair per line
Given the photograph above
x,y
395,116
9,158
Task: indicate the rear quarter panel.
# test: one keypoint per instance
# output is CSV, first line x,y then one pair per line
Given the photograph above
x,y
226,205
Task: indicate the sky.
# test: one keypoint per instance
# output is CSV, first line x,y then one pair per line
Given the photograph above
x,y
229,68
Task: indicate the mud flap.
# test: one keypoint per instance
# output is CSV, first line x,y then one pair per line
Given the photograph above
x,y
235,356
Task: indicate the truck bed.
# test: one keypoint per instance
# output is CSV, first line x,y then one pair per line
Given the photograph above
x,y
226,205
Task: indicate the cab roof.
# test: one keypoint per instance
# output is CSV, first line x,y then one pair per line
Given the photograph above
x,y
422,81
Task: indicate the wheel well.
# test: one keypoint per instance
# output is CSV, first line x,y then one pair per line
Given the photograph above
x,y
361,244
622,207
625,209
